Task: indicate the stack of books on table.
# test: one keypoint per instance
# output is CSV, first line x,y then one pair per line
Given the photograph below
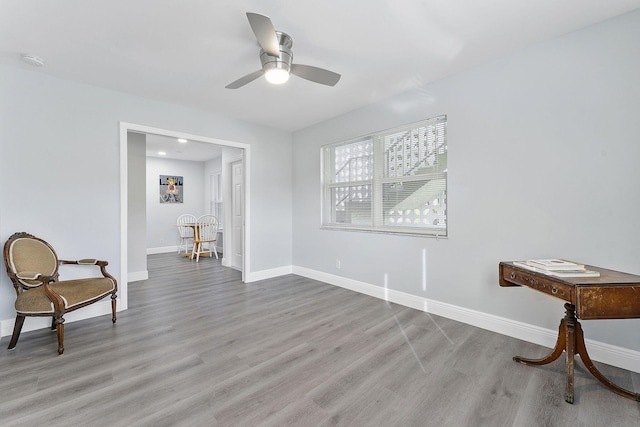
x,y
557,267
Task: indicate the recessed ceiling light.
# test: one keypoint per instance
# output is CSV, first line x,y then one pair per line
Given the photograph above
x,y
162,153
182,140
32,60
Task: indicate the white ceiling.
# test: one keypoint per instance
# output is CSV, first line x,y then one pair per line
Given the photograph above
x,y
186,52
191,150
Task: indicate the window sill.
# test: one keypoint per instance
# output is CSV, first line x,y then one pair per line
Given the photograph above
x,y
433,234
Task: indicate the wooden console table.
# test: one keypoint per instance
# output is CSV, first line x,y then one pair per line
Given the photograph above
x,y
613,295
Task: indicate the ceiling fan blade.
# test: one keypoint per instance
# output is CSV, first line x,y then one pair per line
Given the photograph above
x,y
315,74
244,80
265,33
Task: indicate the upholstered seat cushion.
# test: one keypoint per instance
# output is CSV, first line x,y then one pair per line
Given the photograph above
x,y
73,292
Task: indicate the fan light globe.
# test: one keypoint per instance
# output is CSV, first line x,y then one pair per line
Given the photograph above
x,y
276,76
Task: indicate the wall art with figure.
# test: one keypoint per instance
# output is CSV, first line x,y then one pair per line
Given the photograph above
x,y
171,189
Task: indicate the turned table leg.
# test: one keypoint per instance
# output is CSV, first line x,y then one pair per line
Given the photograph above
x,y
571,340
565,342
582,351
555,353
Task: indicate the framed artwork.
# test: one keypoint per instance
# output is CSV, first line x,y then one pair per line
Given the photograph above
x,y
171,189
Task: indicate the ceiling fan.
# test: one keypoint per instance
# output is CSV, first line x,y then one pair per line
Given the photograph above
x,y
277,58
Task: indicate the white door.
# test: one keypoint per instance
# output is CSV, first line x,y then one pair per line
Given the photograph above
x,y
237,210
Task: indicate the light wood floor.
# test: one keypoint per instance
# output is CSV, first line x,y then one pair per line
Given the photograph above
x,y
199,348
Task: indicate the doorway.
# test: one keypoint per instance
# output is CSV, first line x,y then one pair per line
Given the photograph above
x,y
244,240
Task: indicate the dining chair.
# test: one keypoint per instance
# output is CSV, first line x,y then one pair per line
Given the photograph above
x,y
185,232
32,265
204,240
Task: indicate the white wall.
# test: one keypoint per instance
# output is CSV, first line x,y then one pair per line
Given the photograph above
x,y
162,233
60,166
543,153
137,207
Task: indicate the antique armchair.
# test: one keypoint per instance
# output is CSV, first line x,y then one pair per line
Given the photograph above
x,y
32,265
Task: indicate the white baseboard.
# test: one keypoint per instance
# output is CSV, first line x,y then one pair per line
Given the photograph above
x,y
601,352
267,274
32,323
162,250
136,276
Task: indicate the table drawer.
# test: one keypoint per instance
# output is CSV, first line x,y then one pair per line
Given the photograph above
x,y
611,302
538,282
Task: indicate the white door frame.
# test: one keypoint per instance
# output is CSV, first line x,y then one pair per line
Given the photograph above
x,y
126,127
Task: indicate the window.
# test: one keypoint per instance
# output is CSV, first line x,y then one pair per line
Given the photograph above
x,y
217,209
393,181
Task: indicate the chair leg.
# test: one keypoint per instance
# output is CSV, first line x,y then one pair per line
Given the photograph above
x,y
53,323
113,307
60,332
17,327
184,243
197,247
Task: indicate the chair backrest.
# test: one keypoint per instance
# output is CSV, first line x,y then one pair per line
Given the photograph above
x,y
186,231
27,255
208,227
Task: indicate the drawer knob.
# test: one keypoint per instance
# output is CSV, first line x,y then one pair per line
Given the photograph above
x,y
513,275
554,290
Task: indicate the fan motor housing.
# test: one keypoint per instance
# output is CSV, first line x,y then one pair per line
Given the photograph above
x,y
286,55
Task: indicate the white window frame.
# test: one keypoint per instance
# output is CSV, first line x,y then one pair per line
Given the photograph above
x,y
378,179
217,208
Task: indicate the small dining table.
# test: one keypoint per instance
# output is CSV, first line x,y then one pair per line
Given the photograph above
x,y
196,236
